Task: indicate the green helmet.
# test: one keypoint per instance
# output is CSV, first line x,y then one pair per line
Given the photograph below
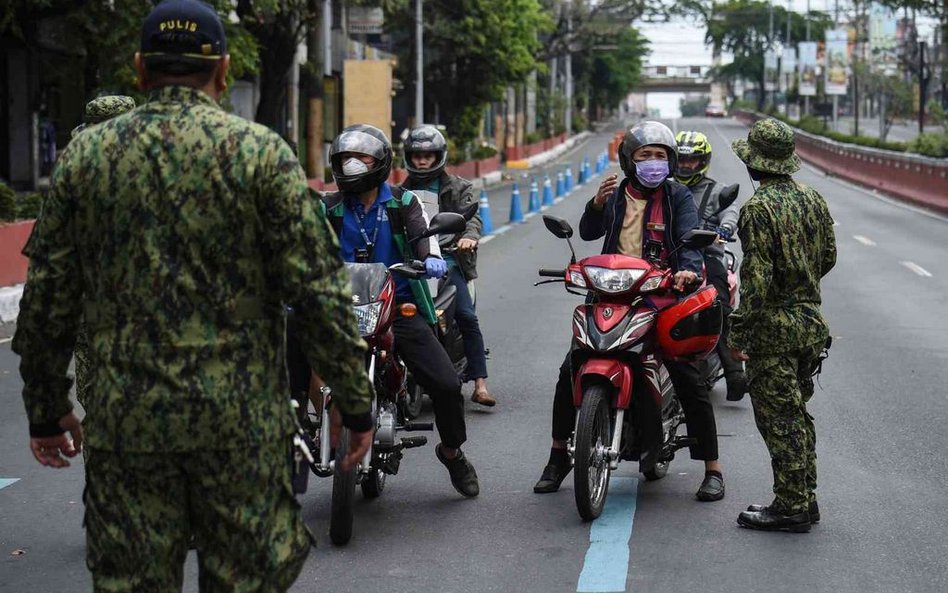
x,y
694,157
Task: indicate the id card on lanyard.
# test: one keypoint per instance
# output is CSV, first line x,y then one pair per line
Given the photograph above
x,y
365,255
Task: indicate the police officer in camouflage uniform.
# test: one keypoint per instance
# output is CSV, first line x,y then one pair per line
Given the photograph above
x,y
188,229
787,238
97,111
102,108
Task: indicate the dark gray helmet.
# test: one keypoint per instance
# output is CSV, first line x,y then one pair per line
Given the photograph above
x,y
425,138
361,139
647,133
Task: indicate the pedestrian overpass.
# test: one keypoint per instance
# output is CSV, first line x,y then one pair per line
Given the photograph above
x,y
675,79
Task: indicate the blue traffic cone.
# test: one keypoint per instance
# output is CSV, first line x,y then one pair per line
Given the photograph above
x,y
568,177
560,185
487,227
586,171
516,209
547,191
582,174
534,202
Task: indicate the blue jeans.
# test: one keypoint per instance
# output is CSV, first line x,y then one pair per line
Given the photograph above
x,y
466,319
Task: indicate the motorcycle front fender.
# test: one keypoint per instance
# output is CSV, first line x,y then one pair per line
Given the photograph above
x,y
610,371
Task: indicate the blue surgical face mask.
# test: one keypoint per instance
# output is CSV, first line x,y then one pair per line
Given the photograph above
x,y
651,173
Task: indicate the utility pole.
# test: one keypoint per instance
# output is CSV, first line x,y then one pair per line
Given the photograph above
x,y
806,99
327,70
836,97
923,78
787,45
419,67
569,72
770,44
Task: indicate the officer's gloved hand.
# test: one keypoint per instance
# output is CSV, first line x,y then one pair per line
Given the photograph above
x,y
724,232
435,267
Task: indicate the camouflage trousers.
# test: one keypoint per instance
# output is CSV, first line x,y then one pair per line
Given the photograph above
x,y
780,387
82,364
236,507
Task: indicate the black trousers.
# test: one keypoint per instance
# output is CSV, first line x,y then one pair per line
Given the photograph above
x,y
717,276
694,398
432,368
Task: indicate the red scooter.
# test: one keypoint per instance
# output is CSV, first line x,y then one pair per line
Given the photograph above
x,y
627,408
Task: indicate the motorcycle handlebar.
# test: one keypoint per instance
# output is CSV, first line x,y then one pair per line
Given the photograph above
x,y
550,273
413,271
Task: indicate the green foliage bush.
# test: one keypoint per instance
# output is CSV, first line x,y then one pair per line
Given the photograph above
x,y
28,206
930,144
533,137
482,152
7,203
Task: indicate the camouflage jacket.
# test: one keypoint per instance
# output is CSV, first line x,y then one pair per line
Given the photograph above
x,y
180,232
788,242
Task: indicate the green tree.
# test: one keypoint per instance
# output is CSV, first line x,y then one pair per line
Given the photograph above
x,y
474,49
610,68
742,27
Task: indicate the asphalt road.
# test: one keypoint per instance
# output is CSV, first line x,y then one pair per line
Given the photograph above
x,y
879,415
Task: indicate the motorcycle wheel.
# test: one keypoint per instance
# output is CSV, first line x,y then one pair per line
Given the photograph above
x,y
593,436
373,484
343,495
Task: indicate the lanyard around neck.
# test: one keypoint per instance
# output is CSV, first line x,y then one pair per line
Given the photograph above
x,y
360,217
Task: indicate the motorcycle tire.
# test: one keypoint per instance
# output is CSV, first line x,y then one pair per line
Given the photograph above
x,y
343,495
591,466
373,484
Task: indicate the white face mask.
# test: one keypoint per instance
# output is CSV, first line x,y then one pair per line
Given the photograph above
x,y
354,166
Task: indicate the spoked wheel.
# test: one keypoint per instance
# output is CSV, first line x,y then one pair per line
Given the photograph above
x,y
593,437
343,495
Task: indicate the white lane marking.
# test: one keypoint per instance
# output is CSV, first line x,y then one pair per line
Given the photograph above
x,y
4,482
5,340
864,240
917,269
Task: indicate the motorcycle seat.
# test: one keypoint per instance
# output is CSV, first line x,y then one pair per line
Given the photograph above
x,y
445,297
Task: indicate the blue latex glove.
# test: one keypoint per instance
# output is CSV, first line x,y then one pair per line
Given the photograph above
x,y
725,233
435,267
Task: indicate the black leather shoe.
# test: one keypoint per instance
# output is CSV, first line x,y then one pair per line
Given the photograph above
x,y
553,475
736,386
463,476
768,519
814,510
712,488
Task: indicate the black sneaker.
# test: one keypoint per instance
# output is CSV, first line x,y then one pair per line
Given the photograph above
x,y
463,476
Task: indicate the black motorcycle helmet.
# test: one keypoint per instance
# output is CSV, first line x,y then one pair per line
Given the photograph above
x,y
647,133
361,139
425,138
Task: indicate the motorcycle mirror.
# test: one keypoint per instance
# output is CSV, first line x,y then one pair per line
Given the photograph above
x,y
558,226
728,196
699,239
445,223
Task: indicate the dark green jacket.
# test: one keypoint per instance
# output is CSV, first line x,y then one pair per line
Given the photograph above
x,y
457,195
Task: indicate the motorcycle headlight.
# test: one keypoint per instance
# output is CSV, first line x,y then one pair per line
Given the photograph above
x,y
651,284
577,279
612,281
368,317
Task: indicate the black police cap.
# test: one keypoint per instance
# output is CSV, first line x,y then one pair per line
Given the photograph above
x,y
183,31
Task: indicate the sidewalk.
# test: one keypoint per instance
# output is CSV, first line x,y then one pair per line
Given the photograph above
x,y
901,131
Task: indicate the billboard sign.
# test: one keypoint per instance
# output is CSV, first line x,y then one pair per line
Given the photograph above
x,y
837,61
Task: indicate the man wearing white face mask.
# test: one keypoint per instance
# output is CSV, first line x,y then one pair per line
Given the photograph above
x,y
645,216
375,223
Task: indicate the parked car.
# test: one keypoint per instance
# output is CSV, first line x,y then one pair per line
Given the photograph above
x,y
714,111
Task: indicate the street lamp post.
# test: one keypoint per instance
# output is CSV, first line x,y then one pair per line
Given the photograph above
x,y
419,67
